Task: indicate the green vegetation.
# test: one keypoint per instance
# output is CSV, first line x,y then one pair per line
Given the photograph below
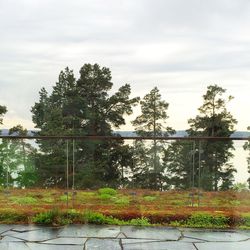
x,y
89,106
108,191
123,207
24,200
55,217
149,198
203,220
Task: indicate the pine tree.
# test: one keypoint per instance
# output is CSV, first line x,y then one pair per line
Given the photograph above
x,y
215,121
83,107
3,110
247,147
152,122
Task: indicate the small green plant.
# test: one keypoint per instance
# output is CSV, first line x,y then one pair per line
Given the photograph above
x,y
49,217
109,191
235,203
207,221
240,187
48,200
105,196
123,200
11,217
246,221
149,198
26,200
65,198
139,222
95,218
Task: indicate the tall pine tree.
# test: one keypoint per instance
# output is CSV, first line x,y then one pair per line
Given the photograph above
x,y
84,107
152,122
214,120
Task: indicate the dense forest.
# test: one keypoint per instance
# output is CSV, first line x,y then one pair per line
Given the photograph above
x,y
85,106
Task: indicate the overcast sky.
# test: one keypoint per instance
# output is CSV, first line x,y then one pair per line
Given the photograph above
x,y
178,45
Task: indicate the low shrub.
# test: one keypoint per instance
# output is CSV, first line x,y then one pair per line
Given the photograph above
x,y
65,198
246,221
95,218
140,222
26,200
107,191
149,198
207,221
105,196
11,217
123,200
53,217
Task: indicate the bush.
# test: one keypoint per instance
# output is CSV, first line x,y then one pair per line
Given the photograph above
x,y
65,198
246,221
51,217
107,191
105,196
140,222
95,218
24,200
12,217
207,220
123,200
149,198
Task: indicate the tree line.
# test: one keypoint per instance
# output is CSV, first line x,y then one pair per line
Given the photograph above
x,y
85,106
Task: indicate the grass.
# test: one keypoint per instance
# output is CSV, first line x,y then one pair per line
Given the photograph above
x,y
228,209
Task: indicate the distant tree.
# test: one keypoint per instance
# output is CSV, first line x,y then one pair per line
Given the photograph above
x,y
247,147
17,166
152,122
83,107
178,162
215,121
3,110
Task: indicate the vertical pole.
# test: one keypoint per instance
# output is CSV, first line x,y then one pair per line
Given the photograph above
x,y
7,173
199,180
193,169
193,175
73,173
73,165
67,173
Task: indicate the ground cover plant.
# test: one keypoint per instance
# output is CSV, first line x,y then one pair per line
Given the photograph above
x,y
222,209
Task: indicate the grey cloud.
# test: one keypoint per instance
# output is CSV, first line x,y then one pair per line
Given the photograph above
x,y
176,44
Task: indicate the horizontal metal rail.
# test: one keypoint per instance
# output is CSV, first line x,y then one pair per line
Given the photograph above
x,y
97,137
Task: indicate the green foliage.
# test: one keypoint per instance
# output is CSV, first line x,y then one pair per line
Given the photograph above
x,y
207,221
213,120
98,218
3,110
44,218
247,147
48,200
246,221
65,197
95,218
151,122
240,187
26,200
83,106
105,196
122,200
140,222
149,198
107,191
51,217
17,160
12,217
